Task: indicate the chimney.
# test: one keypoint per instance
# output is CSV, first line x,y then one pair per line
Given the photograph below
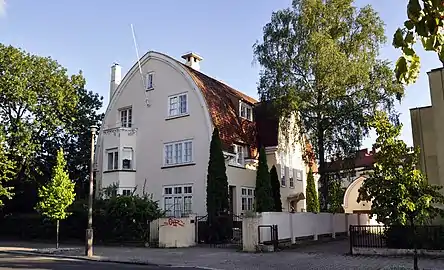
x,y
116,78
192,60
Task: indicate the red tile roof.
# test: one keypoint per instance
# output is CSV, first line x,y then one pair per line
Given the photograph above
x,y
364,158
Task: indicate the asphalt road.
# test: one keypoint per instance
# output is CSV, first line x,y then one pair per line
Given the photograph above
x,y
24,262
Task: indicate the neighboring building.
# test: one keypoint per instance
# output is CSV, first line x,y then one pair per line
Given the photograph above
x,y
352,173
157,129
427,129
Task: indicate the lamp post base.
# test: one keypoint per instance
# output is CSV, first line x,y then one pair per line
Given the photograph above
x,y
89,243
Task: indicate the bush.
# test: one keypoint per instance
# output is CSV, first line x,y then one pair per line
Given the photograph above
x,y
115,220
427,237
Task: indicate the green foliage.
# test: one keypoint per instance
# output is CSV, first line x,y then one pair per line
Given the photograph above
x,y
217,181
59,194
425,23
398,191
312,195
263,192
335,197
327,72
276,189
7,172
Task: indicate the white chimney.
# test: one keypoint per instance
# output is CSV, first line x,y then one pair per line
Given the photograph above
x,y
116,78
192,60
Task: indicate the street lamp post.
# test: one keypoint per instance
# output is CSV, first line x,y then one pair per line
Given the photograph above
x,y
89,229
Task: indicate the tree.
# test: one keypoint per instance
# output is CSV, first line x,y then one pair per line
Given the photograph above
x,y
58,195
7,172
276,189
217,190
312,195
325,74
399,192
425,23
263,192
37,96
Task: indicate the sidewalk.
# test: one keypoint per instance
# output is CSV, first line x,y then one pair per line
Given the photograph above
x,y
217,258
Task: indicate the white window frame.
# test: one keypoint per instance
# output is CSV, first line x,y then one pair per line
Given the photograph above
x,y
179,111
241,152
247,199
248,115
180,196
282,161
128,191
299,175
128,122
115,159
180,153
149,81
290,178
131,167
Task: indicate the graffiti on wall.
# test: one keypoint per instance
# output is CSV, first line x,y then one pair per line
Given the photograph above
x,y
174,222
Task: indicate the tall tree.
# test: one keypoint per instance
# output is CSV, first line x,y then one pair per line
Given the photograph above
x,y
276,189
58,194
425,23
7,171
217,191
399,192
320,67
36,97
263,192
312,195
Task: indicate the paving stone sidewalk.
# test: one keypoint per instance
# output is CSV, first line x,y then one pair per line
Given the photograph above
x,y
319,257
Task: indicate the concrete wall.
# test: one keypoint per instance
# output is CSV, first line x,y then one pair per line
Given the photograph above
x,y
293,226
177,232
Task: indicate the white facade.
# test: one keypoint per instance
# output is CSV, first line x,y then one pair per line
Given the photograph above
x,y
155,139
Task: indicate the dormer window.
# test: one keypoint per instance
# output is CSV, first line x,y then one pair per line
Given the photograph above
x,y
246,111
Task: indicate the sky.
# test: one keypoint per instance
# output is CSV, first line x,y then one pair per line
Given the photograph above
x,y
90,35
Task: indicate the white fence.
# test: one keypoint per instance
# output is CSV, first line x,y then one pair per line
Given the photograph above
x,y
294,226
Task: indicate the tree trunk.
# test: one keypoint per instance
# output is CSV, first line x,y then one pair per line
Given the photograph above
x,y
322,178
57,236
415,250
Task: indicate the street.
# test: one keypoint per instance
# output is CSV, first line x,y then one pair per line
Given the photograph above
x,y
8,261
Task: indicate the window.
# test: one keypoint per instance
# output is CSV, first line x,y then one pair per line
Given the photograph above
x,y
178,105
247,199
127,158
126,117
178,153
126,192
178,200
290,178
299,175
246,111
282,161
241,152
113,159
150,81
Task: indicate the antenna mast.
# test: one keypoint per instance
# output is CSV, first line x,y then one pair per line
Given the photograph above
x,y
140,67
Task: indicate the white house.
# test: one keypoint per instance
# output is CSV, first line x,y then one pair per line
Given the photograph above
x,y
156,134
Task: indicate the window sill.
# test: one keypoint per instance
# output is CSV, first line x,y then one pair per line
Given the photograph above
x,y
291,187
283,186
244,118
150,88
125,170
177,116
178,165
239,166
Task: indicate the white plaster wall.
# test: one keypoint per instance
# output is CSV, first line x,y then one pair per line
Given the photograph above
x,y
239,178
351,195
177,232
153,130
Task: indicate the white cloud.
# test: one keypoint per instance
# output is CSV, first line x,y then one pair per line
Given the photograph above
x,y
2,7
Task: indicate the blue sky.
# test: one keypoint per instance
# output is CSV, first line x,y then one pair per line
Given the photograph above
x,y
90,35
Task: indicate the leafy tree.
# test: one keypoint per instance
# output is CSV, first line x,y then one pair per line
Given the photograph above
x,y
335,196
58,195
37,96
325,74
263,192
7,171
312,195
217,190
276,189
425,23
399,192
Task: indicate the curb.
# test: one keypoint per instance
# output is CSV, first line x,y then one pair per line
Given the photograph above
x,y
80,258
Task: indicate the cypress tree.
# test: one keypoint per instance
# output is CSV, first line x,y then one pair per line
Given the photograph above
x,y
263,193
217,190
311,194
276,189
